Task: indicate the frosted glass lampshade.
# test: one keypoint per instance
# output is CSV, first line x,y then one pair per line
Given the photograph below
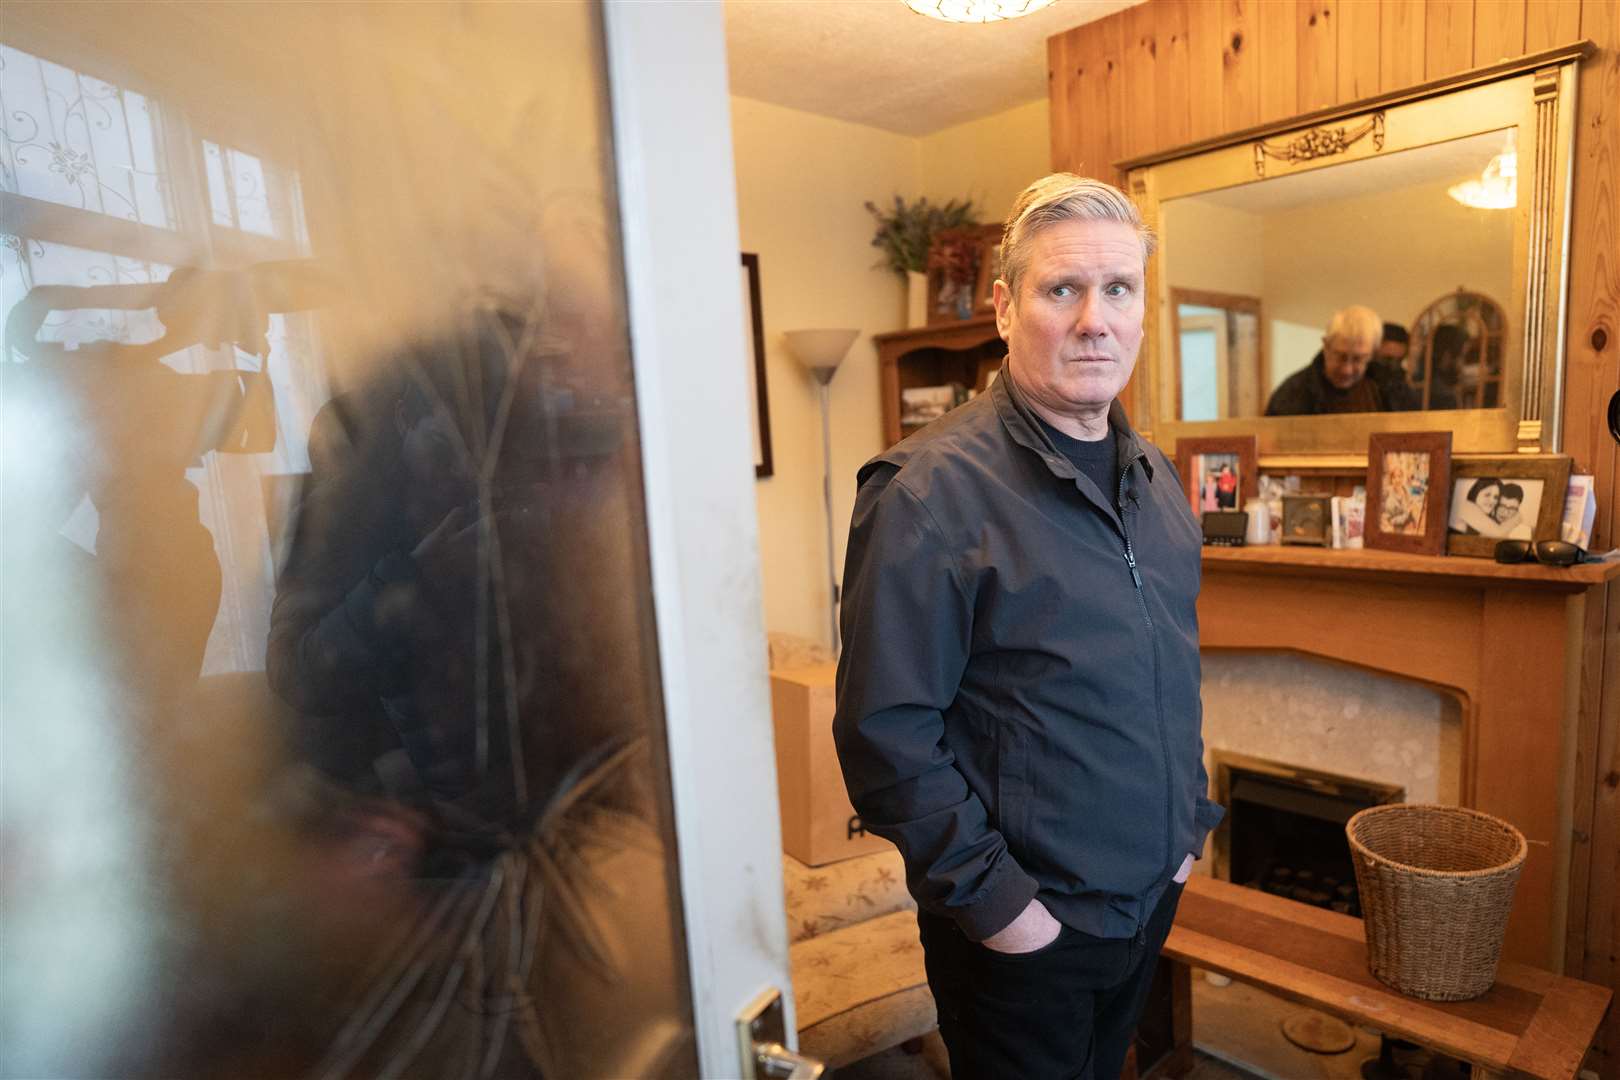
x,y
975,11
820,350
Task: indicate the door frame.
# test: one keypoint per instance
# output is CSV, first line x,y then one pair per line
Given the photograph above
x,y
677,196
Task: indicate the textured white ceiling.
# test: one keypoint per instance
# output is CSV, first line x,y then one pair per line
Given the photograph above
x,y
876,62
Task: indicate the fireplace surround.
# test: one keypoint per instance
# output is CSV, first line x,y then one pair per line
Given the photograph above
x,y
1502,644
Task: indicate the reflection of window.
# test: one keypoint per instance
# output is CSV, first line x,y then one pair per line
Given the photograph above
x,y
120,188
246,193
24,264
1458,352
75,140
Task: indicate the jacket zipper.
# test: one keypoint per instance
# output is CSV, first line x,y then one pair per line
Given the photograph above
x,y
1158,695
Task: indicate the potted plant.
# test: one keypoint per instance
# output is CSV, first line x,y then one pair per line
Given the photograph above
x,y
905,234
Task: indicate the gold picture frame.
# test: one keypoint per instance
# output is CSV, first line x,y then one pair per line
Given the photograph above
x,y
1531,97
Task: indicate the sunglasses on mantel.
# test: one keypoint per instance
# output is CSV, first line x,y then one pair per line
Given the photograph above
x,y
1545,552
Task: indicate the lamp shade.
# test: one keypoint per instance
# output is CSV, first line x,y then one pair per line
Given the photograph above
x,y
975,11
820,350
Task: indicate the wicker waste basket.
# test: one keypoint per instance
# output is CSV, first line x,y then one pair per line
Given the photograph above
x,y
1436,887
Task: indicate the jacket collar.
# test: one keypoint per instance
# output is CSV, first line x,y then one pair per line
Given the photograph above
x,y
1021,424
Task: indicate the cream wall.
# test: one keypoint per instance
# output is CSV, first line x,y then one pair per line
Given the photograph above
x,y
802,182
990,159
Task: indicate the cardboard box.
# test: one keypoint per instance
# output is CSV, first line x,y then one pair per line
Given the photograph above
x,y
818,824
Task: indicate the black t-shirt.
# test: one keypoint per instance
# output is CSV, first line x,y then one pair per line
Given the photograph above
x,y
1095,459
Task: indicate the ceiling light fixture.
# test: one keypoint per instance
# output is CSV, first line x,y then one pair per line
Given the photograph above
x,y
1497,188
975,11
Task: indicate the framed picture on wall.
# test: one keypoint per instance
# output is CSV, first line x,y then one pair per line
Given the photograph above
x,y
1408,485
1218,473
1510,497
754,336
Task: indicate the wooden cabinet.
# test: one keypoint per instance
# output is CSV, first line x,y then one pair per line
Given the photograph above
x,y
933,356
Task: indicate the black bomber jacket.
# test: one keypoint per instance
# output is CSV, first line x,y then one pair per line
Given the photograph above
x,y
1018,695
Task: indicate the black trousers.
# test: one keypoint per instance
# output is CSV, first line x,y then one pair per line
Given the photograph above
x,y
1066,1011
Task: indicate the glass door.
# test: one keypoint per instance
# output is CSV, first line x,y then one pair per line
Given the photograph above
x,y
356,716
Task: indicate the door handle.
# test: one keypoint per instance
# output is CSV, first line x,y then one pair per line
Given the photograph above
x,y
778,1062
762,1040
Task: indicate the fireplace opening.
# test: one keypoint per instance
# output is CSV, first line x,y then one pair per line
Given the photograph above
x,y
1284,828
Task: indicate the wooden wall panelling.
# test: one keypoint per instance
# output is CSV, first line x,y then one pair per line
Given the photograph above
x,y
1358,49
1173,121
1084,99
1114,95
1139,78
1401,30
1204,117
1550,22
1593,352
1498,30
1593,374
1060,122
1278,48
1448,37
1316,64
1240,65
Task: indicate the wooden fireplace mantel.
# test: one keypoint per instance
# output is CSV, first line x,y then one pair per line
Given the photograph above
x,y
1503,641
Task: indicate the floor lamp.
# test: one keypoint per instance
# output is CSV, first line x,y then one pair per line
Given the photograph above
x,y
821,351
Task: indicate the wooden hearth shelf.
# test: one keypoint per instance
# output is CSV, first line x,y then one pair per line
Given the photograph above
x,y
1390,565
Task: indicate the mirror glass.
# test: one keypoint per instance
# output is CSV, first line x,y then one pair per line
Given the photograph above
x,y
1424,238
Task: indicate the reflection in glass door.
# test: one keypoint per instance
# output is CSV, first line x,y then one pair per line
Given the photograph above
x,y
333,732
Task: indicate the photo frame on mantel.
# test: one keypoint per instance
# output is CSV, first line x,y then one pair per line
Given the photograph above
x,y
1506,497
1408,490
1218,472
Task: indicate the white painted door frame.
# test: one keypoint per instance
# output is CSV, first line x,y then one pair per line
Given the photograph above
x,y
677,197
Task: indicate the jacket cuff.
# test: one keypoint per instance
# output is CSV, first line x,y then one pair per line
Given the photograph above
x,y
1206,815
1005,897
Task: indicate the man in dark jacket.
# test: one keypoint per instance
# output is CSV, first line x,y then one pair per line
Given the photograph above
x,y
1018,697
1349,374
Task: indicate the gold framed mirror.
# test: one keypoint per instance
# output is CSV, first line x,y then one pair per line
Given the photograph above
x,y
1444,209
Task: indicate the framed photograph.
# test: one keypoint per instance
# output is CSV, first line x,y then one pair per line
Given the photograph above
x,y
1307,519
754,336
1510,497
1219,472
1408,486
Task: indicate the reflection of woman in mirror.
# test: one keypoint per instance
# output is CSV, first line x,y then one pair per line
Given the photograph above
x,y
1447,347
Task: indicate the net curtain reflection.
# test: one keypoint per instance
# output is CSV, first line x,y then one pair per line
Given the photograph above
x,y
322,470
